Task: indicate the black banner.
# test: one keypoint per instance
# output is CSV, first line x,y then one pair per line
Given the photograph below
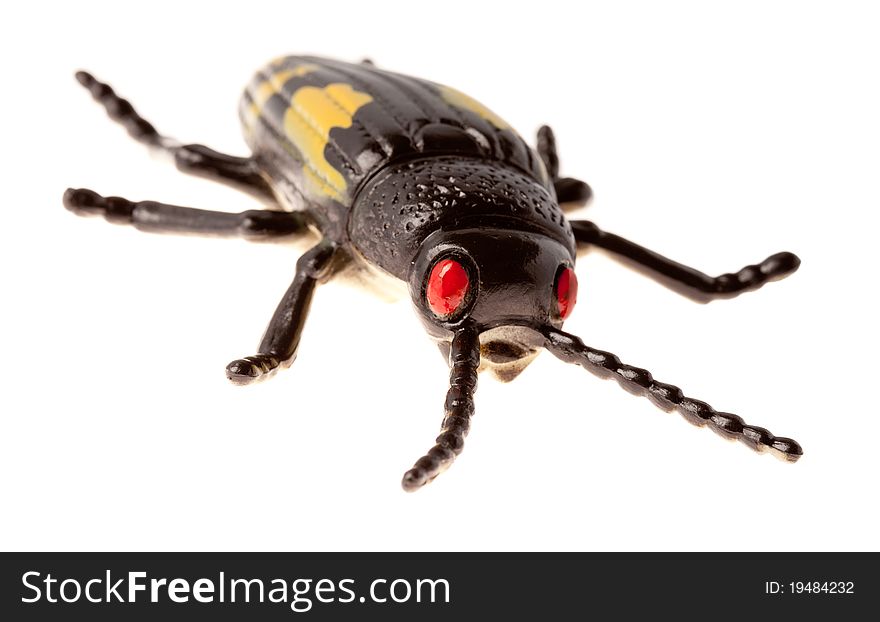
x,y
433,586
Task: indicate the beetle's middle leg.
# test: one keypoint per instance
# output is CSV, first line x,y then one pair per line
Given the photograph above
x,y
684,279
281,340
240,173
568,190
163,218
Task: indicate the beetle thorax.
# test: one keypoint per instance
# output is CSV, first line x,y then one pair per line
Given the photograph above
x,y
401,206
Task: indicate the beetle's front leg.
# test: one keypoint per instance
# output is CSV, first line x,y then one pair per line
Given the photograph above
x,y
240,173
684,279
281,341
568,189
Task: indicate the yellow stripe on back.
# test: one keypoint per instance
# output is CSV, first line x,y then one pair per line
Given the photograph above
x,y
270,86
466,102
313,112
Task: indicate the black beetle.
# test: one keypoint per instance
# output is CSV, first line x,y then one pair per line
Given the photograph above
x,y
423,183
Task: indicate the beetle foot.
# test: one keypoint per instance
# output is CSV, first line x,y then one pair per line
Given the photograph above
x,y
85,202
774,268
251,369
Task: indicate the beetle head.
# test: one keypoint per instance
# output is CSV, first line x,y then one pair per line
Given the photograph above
x,y
506,283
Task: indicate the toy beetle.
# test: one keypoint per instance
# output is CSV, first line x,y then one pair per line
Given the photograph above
x,y
423,183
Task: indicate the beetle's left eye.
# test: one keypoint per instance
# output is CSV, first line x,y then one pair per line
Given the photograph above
x,y
566,291
447,289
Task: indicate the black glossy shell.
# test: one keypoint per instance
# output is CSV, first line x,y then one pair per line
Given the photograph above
x,y
320,128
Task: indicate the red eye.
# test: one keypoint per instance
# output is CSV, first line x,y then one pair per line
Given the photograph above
x,y
566,292
447,287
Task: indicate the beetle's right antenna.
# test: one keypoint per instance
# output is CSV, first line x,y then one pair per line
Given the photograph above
x,y
668,397
464,358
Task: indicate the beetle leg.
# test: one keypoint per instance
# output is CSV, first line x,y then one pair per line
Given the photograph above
x,y
241,173
464,359
568,189
668,397
683,279
163,218
281,340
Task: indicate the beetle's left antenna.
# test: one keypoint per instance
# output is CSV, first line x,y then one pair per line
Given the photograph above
x,y
464,358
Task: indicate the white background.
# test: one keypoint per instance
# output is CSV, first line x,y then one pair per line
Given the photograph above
x,y
716,135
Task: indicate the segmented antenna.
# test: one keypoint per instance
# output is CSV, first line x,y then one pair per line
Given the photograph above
x,y
668,397
122,111
464,358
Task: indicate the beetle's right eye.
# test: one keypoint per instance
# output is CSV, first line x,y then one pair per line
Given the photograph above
x,y
566,291
448,286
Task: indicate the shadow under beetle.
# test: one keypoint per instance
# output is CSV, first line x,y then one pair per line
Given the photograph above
x,y
423,183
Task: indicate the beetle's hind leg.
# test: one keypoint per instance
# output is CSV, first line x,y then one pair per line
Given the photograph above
x,y
240,173
683,279
568,189
281,340
164,218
